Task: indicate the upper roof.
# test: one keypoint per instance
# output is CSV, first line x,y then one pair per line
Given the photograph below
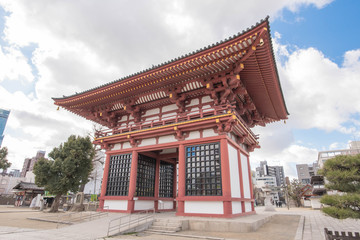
x,y
253,47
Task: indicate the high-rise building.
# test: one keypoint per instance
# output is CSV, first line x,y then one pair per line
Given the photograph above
x,y
29,163
274,171
278,173
4,115
305,172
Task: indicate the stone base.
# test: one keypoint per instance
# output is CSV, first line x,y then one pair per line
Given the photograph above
x,y
238,225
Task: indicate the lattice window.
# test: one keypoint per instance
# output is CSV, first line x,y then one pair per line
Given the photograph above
x,y
119,175
166,188
145,184
203,170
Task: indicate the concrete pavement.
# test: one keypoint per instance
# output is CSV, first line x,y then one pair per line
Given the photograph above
x,y
311,226
314,222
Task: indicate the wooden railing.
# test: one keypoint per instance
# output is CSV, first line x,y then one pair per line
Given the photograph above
x,y
176,118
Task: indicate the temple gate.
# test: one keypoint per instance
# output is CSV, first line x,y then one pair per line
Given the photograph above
x,y
179,134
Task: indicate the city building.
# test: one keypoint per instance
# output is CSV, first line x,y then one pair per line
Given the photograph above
x,y
262,170
29,163
278,173
267,181
7,183
193,113
275,171
4,115
354,149
15,173
270,177
305,172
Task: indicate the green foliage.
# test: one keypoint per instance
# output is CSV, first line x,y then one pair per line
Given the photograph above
x,y
343,174
70,166
4,163
294,191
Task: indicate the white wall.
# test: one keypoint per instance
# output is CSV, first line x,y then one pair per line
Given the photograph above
x,y
234,172
143,205
152,112
248,207
206,99
245,175
207,207
167,139
116,204
169,108
209,133
193,102
147,142
126,145
117,146
236,207
166,205
193,135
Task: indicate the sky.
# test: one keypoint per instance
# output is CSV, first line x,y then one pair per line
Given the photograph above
x,y
55,48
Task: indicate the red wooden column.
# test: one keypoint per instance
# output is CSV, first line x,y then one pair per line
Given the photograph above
x,y
157,184
251,185
241,181
225,175
181,184
104,181
132,183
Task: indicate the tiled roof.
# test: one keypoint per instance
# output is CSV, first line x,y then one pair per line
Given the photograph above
x,y
27,186
172,60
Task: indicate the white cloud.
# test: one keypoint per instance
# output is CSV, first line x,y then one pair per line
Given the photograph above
x,y
82,44
14,65
319,93
287,157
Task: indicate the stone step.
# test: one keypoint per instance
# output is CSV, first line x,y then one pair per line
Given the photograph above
x,y
184,235
173,224
158,231
165,228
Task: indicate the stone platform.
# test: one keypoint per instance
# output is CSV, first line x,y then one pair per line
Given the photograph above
x,y
241,224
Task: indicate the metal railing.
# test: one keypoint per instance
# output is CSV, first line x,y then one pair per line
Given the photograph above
x,y
71,218
130,221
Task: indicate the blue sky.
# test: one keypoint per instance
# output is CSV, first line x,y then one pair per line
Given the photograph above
x,y
59,48
325,28
333,31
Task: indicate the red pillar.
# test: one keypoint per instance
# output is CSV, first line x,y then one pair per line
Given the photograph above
x,y
251,185
104,181
181,184
157,184
225,175
132,183
241,181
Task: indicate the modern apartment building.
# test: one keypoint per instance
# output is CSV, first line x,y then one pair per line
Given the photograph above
x,y
29,163
325,155
274,171
305,172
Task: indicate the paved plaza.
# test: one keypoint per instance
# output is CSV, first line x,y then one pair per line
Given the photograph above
x,y
309,224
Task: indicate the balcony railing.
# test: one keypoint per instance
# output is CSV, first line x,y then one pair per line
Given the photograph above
x,y
170,117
